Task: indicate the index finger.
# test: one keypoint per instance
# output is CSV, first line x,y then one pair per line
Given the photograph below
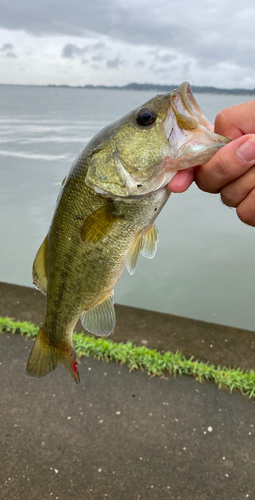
x,y
237,120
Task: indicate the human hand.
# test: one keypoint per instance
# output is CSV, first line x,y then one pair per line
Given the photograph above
x,y
231,171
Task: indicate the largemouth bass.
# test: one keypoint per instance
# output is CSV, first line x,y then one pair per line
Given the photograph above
x,y
105,215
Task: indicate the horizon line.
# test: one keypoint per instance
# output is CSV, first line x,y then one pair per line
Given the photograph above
x,y
140,86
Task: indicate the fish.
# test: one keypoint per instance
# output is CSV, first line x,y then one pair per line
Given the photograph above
x,y
105,214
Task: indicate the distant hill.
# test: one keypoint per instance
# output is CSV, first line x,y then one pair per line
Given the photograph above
x,y
195,88
148,86
166,88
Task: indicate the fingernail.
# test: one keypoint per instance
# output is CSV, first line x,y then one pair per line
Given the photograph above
x,y
247,150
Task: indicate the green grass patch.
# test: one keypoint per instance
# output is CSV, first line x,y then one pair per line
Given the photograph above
x,y
142,358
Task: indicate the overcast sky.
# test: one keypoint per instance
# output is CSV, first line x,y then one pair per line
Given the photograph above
x,y
79,42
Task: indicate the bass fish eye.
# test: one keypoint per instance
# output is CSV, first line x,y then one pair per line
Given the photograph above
x,y
146,117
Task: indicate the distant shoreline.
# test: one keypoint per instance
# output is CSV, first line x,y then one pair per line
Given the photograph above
x,y
144,86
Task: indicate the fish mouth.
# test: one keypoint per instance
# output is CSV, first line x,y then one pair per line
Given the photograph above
x,y
190,135
193,115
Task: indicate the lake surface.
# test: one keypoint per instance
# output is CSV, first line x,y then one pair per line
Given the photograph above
x,y
204,267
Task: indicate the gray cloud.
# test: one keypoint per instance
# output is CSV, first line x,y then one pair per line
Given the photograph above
x,y
114,63
11,54
210,32
6,47
112,18
164,70
98,58
166,58
140,63
97,46
7,50
70,50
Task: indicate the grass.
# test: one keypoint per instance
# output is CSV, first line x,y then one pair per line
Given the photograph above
x,y
155,363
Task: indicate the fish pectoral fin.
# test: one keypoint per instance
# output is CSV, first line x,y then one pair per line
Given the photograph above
x,y
39,269
45,357
150,242
100,319
99,223
133,253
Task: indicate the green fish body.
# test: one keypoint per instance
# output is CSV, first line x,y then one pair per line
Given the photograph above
x,y
105,216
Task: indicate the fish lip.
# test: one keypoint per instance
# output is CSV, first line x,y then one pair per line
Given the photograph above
x,y
194,109
194,116
188,98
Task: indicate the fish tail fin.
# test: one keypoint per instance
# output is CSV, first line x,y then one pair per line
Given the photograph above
x,y
45,356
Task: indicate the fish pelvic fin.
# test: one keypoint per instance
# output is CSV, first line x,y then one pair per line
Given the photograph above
x,y
150,242
45,356
39,269
145,243
133,253
100,319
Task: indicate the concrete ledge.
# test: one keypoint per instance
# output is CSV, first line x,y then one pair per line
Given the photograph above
x,y
217,344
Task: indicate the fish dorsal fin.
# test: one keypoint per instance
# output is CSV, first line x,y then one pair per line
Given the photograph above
x,y
100,319
133,253
150,242
99,223
39,270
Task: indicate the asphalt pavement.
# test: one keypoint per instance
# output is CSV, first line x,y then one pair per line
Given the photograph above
x,y
123,435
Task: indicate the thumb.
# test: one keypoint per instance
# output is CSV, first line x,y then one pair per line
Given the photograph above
x,y
229,163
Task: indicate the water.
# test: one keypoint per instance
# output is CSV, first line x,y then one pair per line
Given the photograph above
x,y
204,267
